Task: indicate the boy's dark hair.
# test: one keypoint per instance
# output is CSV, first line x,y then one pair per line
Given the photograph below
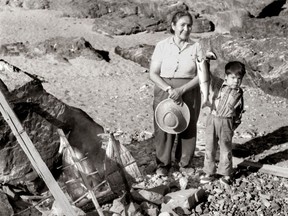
x,y
177,15
235,67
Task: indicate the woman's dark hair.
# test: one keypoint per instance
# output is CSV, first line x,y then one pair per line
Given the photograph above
x,y
177,16
235,67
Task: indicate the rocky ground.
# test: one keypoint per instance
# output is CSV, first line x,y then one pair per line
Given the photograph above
x,y
118,95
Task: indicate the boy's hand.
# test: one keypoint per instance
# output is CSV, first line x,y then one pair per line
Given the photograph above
x,y
206,104
236,123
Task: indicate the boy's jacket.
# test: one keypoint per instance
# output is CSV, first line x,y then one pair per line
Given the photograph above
x,y
226,102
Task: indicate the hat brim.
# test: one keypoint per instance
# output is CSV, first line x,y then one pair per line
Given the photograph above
x,y
163,107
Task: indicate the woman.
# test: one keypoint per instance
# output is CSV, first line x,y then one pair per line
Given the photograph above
x,y
173,70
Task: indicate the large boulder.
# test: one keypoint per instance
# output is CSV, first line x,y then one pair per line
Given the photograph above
x,y
41,114
262,27
140,54
27,4
81,8
112,25
130,17
15,166
148,16
63,49
226,20
254,8
265,60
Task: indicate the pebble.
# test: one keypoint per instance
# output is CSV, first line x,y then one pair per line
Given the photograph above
x,y
198,209
248,196
275,206
265,196
164,214
265,202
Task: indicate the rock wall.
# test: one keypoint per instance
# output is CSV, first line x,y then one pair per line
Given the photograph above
x,y
41,114
15,166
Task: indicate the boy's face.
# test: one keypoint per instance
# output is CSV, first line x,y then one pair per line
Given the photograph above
x,y
233,80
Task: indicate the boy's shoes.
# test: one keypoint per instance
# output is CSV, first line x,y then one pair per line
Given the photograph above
x,y
162,171
226,181
205,179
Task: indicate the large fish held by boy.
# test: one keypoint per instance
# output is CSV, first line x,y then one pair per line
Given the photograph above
x,y
203,70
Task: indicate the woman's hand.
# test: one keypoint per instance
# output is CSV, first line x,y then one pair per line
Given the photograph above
x,y
176,95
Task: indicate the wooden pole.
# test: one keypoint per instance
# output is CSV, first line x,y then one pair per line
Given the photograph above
x,y
34,156
65,142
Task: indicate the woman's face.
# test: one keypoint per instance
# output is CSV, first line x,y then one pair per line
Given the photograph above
x,y
182,28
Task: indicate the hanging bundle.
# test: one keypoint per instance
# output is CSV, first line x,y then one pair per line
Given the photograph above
x,y
121,169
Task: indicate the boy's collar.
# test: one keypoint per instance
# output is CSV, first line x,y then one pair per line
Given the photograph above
x,y
225,84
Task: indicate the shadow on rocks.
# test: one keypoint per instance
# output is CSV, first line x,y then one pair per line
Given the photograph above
x,y
260,144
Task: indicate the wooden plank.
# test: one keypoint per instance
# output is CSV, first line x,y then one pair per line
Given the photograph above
x,y
263,168
65,142
34,157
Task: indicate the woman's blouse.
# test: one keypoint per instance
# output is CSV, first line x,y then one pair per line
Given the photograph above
x,y
175,62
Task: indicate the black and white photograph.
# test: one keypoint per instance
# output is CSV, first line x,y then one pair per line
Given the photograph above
x,y
143,108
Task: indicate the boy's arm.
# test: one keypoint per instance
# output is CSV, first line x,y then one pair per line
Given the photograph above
x,y
238,110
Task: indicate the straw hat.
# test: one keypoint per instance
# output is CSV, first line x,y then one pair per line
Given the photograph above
x,y
172,118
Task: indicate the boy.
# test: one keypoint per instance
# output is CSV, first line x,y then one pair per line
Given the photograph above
x,y
225,116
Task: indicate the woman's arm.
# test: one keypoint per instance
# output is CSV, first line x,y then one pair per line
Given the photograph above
x,y
190,85
176,94
154,75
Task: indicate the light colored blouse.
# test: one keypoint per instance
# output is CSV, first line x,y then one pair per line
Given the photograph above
x,y
175,62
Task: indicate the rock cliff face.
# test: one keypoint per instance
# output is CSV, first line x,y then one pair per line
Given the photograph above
x,y
15,166
255,34
41,114
265,59
130,17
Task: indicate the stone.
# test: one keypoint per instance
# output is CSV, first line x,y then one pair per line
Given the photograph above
x,y
119,205
140,54
144,195
164,214
166,208
133,209
161,189
186,199
35,4
183,181
150,208
5,207
229,19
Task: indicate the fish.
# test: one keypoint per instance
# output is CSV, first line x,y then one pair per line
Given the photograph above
x,y
203,70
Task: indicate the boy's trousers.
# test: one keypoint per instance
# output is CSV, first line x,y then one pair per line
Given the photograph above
x,y
219,131
186,141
